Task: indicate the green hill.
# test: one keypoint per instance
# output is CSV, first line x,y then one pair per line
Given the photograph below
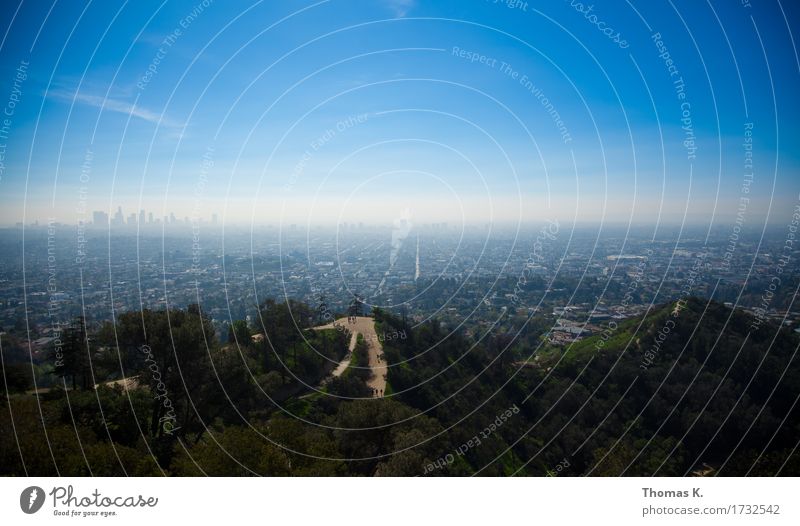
x,y
667,393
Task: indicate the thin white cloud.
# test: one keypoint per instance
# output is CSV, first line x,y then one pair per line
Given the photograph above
x,y
151,39
400,7
117,106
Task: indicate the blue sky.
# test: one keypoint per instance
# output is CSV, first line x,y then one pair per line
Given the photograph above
x,y
346,110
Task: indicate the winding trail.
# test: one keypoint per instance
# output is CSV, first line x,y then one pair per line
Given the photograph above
x,y
365,326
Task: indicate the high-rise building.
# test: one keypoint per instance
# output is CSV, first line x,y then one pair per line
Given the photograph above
x,y
141,217
132,219
119,219
150,218
214,219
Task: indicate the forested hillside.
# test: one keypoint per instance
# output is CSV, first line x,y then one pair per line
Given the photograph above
x,y
684,388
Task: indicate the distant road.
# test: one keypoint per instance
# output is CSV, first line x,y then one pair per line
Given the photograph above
x,y
416,272
365,326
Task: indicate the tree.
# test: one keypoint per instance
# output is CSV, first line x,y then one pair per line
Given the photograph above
x,y
239,333
171,352
16,378
71,355
356,307
283,324
235,451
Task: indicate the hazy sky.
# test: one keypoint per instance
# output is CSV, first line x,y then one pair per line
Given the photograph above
x,y
358,110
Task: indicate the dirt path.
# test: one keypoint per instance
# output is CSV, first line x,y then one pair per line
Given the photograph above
x,y
365,326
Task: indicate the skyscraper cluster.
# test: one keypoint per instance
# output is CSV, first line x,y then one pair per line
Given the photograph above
x,y
100,218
